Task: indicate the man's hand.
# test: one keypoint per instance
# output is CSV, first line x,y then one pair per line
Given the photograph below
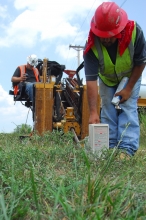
x,y
125,95
94,118
136,74
23,77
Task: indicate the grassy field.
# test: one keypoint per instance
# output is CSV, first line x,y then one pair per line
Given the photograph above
x,y
51,178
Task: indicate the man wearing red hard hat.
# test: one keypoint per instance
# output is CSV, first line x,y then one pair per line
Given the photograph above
x,y
115,49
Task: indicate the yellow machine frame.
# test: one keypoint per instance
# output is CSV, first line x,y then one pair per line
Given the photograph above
x,y
44,108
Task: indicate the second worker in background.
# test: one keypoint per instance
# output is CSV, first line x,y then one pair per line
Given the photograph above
x,y
27,74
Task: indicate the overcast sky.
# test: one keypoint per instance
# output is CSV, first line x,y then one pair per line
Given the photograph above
x,y
45,28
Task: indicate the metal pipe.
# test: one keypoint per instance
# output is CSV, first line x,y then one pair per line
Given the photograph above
x,y
75,136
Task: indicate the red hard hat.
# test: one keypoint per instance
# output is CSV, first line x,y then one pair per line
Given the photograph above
x,y
109,20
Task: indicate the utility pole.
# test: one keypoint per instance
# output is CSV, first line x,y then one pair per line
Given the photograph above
x,y
78,49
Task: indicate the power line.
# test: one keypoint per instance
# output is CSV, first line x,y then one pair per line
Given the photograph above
x,y
85,18
81,26
123,3
84,22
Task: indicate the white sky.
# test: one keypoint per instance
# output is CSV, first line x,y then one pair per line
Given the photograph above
x,y
45,28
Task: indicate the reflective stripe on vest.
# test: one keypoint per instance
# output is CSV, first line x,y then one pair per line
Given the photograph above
x,y
35,71
109,73
15,90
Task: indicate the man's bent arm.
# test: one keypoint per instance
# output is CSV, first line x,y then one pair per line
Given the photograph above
x,y
16,79
136,74
92,93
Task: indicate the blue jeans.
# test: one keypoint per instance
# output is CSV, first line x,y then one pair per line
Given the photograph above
x,y
124,130
29,90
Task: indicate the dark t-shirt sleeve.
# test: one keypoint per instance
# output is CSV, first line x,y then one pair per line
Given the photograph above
x,y
90,66
139,47
17,72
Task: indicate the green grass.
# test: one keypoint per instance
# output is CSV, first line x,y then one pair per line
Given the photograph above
x,y
50,178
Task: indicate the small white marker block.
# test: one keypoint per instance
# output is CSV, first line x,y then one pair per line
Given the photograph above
x,y
98,137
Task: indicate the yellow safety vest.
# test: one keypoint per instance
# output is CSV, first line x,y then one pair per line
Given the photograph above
x,y
109,73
